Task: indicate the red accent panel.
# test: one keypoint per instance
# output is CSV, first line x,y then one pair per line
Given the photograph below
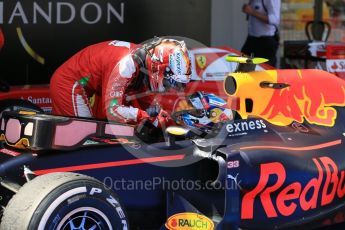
x,y
110,164
9,152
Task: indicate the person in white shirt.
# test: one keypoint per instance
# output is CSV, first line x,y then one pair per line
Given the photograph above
x,y
263,33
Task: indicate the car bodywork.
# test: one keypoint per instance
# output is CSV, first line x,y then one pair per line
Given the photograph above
x,y
279,164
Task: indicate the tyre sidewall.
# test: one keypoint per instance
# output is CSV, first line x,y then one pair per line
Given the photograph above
x,y
77,194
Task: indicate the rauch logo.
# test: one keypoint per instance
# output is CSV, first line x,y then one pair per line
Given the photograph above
x,y
189,221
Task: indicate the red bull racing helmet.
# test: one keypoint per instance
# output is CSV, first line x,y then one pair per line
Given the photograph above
x,y
168,65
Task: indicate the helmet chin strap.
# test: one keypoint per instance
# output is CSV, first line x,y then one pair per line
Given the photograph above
x,y
160,88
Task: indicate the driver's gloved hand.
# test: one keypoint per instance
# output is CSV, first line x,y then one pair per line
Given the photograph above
x,y
162,120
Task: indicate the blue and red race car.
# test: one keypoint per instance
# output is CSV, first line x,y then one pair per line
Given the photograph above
x,y
277,164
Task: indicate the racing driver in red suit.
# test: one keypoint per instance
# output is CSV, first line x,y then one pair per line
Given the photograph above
x,y
117,72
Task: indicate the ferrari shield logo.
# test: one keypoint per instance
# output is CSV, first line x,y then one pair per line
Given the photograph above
x,y
201,61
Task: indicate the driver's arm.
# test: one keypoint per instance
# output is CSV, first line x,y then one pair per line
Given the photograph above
x,y
113,93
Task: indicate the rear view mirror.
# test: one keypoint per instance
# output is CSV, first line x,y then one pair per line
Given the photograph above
x,y
176,132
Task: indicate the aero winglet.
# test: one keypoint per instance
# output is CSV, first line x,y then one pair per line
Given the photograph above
x,y
246,60
245,64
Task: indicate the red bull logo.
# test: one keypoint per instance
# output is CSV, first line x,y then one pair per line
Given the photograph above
x,y
309,95
319,191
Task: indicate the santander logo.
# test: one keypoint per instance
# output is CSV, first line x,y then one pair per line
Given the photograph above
x,y
318,192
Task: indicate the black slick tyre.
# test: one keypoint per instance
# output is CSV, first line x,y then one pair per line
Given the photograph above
x,y
64,201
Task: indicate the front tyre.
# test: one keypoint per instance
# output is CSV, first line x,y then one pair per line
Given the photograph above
x,y
64,201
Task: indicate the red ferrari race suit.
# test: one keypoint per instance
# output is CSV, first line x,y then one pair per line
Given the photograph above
x,y
108,70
